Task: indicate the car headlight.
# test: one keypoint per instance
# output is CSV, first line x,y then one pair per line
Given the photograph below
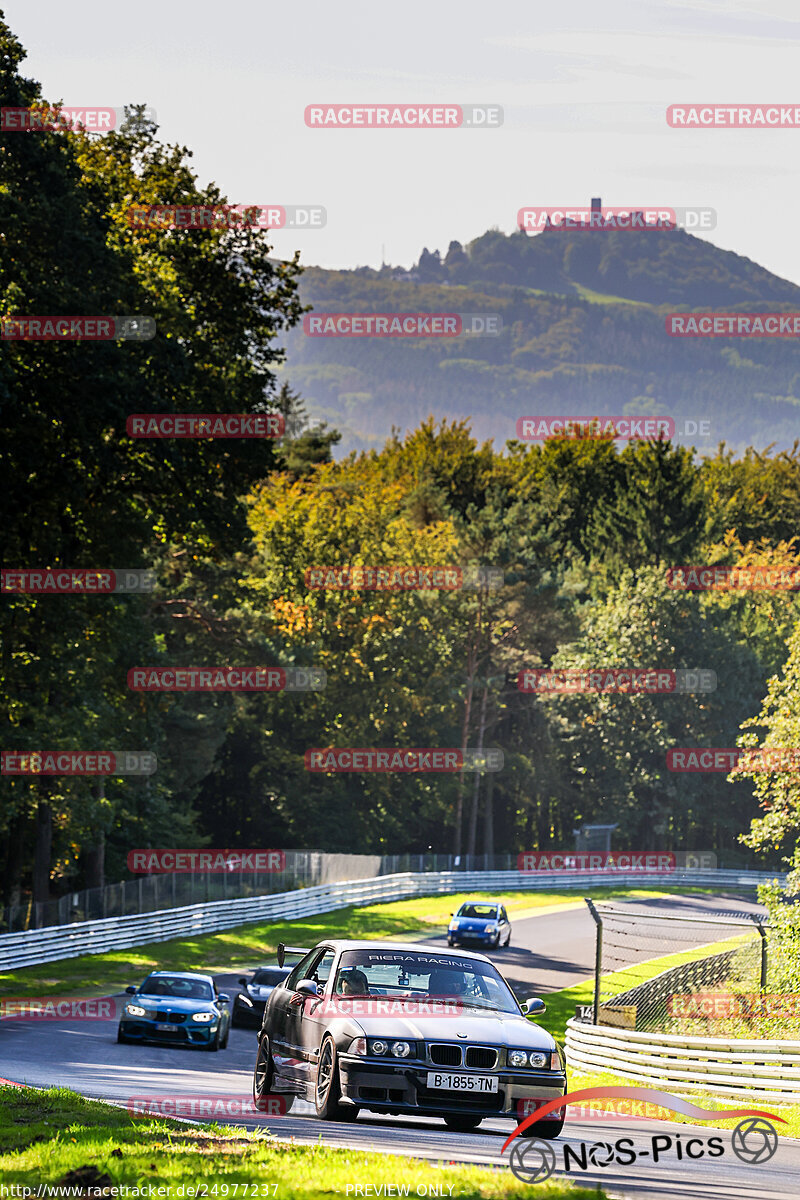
x,y
453,925
379,1046
358,1046
133,1010
517,1058
204,1017
491,929
539,1059
555,1061
400,1049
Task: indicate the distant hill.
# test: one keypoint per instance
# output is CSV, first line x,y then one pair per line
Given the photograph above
x,y
583,332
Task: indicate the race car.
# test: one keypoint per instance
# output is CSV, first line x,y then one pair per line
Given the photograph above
x,y
248,1006
178,1007
478,921
405,1028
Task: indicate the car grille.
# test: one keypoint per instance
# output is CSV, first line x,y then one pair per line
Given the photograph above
x,y
437,1100
481,1057
445,1056
169,1018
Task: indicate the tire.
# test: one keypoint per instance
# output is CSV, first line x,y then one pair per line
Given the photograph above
x,y
215,1045
121,1037
327,1087
224,1041
508,940
461,1123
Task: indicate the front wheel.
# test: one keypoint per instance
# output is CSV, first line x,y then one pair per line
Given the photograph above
x,y
214,1044
328,1090
461,1123
121,1037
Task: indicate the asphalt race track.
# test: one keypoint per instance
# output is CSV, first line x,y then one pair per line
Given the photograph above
x,y
547,952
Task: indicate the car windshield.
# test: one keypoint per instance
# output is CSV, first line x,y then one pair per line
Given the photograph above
x,y
487,911
177,987
269,976
413,975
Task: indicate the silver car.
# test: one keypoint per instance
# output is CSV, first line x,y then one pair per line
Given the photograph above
x,y
403,1028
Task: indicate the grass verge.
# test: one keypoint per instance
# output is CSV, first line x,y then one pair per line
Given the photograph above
x,y
789,1112
95,974
561,1005
55,1138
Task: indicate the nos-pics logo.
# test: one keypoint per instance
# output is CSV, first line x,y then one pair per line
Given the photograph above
x,y
533,1159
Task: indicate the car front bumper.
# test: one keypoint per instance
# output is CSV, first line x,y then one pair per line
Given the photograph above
x,y
188,1034
399,1087
479,937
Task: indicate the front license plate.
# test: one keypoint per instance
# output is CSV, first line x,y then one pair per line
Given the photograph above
x,y
167,1028
463,1083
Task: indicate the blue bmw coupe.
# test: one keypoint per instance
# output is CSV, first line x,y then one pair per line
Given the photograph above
x,y
176,1007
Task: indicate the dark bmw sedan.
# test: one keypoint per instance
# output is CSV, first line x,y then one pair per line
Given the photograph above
x,y
400,1028
248,1006
178,1007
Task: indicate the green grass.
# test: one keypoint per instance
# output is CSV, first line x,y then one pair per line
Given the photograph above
x,y
46,1134
586,293
789,1112
561,1005
94,974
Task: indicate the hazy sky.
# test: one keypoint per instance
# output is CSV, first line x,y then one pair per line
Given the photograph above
x,y
584,87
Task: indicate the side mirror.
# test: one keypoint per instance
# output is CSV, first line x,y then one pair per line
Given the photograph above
x,y
242,981
130,991
308,987
223,998
534,1007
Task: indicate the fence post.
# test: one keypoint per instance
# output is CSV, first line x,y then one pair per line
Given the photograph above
x,y
598,958
763,933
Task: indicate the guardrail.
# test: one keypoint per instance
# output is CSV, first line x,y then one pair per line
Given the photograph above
x,y
735,1068
113,933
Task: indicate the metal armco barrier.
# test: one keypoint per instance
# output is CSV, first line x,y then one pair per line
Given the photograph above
x,y
114,933
729,1068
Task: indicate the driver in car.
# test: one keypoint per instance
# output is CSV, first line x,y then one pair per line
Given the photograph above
x,y
352,982
447,983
